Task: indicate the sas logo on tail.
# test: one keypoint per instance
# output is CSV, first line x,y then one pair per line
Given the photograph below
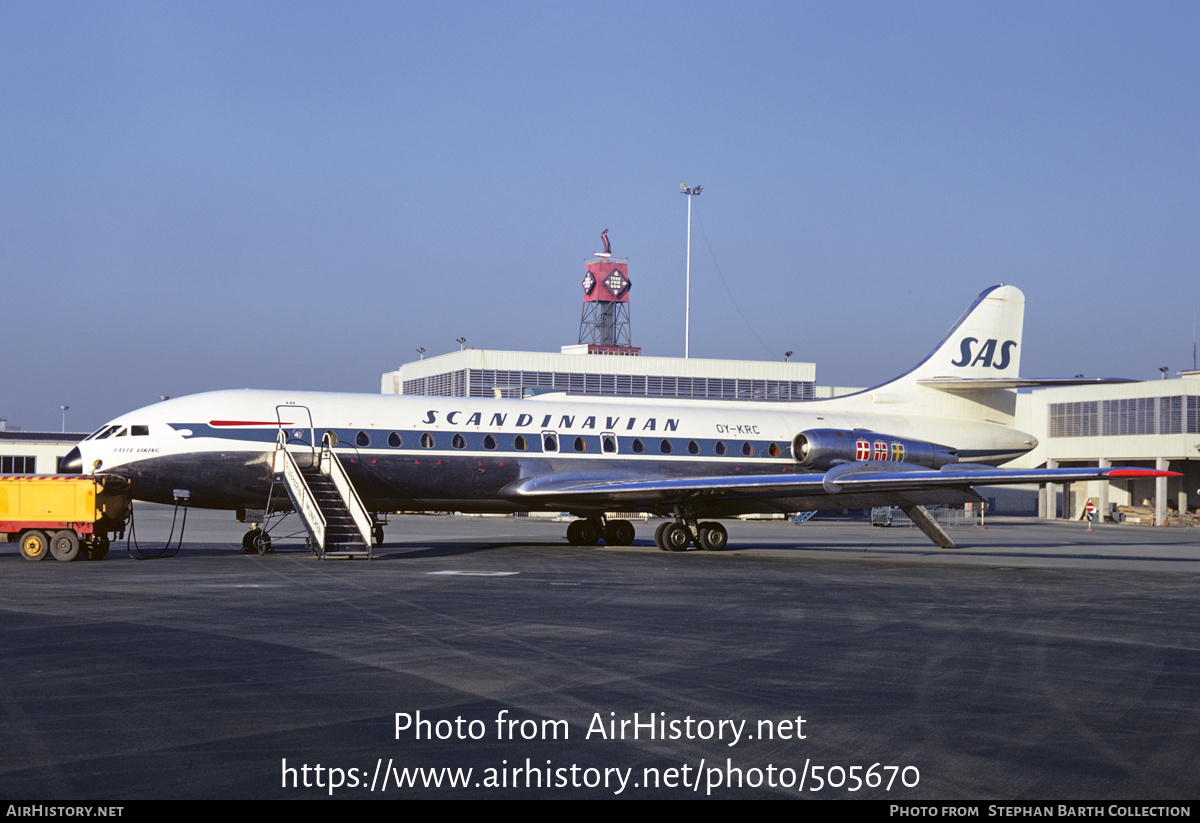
x,y
984,355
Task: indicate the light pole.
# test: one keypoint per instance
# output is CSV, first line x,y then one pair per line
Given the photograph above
x,y
64,411
462,342
691,192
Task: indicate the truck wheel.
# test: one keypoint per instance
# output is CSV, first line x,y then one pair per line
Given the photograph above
x,y
98,548
35,545
64,545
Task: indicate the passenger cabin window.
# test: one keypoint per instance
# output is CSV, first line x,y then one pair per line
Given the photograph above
x,y
748,449
638,447
427,441
773,449
693,447
330,438
489,442
395,440
520,443
549,442
362,440
665,447
580,444
720,448
609,444
459,442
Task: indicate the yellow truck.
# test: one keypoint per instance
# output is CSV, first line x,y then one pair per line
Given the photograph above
x,y
64,516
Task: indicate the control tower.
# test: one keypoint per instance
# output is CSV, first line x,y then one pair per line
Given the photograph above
x,y
604,324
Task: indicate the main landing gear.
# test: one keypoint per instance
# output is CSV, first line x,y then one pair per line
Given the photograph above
x,y
674,536
591,530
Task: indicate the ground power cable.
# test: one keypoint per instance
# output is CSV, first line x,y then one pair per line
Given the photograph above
x,y
134,550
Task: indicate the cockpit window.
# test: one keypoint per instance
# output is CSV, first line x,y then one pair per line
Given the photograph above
x,y
139,431
122,432
103,433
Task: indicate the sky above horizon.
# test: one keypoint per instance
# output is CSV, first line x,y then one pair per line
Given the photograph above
x,y
213,195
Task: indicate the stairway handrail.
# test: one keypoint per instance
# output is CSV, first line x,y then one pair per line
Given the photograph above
x,y
341,481
297,486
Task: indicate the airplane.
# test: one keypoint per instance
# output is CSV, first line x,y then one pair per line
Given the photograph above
x,y
926,437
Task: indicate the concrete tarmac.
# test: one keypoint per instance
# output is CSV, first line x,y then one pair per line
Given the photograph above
x,y
1037,661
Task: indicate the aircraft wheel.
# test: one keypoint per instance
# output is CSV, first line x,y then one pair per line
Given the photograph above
x,y
658,533
573,532
64,545
35,545
377,534
589,532
619,533
262,542
676,538
248,540
713,537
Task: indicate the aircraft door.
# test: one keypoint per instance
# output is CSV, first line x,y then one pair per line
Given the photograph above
x,y
297,424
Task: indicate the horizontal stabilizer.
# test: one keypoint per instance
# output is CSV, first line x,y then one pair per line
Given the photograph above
x,y
974,384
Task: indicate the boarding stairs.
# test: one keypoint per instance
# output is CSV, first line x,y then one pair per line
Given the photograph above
x,y
338,524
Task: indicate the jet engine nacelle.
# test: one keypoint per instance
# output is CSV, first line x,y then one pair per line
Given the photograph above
x,y
825,448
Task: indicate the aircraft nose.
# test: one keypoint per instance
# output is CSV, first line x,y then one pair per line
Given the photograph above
x,y
72,463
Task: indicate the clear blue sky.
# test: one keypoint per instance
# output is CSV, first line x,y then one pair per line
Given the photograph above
x,y
297,195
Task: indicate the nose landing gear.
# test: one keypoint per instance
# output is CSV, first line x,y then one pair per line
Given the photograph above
x,y
256,541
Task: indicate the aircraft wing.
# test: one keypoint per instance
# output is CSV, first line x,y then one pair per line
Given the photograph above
x,y
849,485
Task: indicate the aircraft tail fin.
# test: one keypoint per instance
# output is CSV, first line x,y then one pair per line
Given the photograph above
x,y
984,345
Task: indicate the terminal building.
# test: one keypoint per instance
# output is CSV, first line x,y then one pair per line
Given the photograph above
x,y
510,374
1152,424
23,452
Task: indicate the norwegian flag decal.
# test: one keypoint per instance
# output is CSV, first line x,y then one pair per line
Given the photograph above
x,y
881,450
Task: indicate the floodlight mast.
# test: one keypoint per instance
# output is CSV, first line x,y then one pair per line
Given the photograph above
x,y
691,192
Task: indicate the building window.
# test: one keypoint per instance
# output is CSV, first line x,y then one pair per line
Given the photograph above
x,y
1074,419
1133,415
18,464
1170,415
